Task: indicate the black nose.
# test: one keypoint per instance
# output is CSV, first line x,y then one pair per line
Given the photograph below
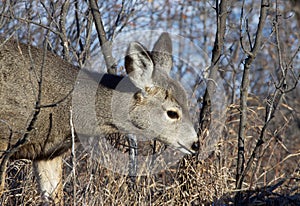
x,y
195,146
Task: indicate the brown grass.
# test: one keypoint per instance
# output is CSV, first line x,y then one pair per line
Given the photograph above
x,y
274,178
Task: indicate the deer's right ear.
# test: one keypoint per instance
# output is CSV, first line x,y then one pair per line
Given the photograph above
x,y
139,65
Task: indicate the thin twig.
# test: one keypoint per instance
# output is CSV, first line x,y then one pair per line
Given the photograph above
x,y
73,157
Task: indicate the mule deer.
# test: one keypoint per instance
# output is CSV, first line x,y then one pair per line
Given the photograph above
x,y
31,82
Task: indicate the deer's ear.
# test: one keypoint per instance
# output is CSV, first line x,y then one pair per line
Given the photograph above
x,y
162,53
139,65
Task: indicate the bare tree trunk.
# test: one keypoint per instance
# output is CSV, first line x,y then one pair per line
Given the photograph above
x,y
205,114
104,43
63,30
240,173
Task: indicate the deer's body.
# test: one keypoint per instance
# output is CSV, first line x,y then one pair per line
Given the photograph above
x,y
18,96
27,78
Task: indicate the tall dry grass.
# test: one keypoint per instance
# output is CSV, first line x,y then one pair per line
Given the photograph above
x,y
274,178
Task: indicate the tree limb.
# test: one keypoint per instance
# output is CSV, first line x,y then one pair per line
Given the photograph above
x,y
104,43
205,114
240,172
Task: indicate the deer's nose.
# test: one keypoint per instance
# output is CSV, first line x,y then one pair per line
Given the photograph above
x,y
195,146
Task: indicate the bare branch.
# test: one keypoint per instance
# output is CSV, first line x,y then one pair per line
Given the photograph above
x,y
104,43
119,17
48,28
63,31
240,173
221,13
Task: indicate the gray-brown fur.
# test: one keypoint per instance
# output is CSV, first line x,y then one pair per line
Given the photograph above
x,y
149,89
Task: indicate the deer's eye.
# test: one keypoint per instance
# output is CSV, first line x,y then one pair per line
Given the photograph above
x,y
173,114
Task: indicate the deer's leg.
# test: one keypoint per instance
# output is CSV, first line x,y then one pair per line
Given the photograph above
x,y
2,175
5,137
49,178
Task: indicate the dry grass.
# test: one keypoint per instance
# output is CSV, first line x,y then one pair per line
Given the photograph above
x,y
274,178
